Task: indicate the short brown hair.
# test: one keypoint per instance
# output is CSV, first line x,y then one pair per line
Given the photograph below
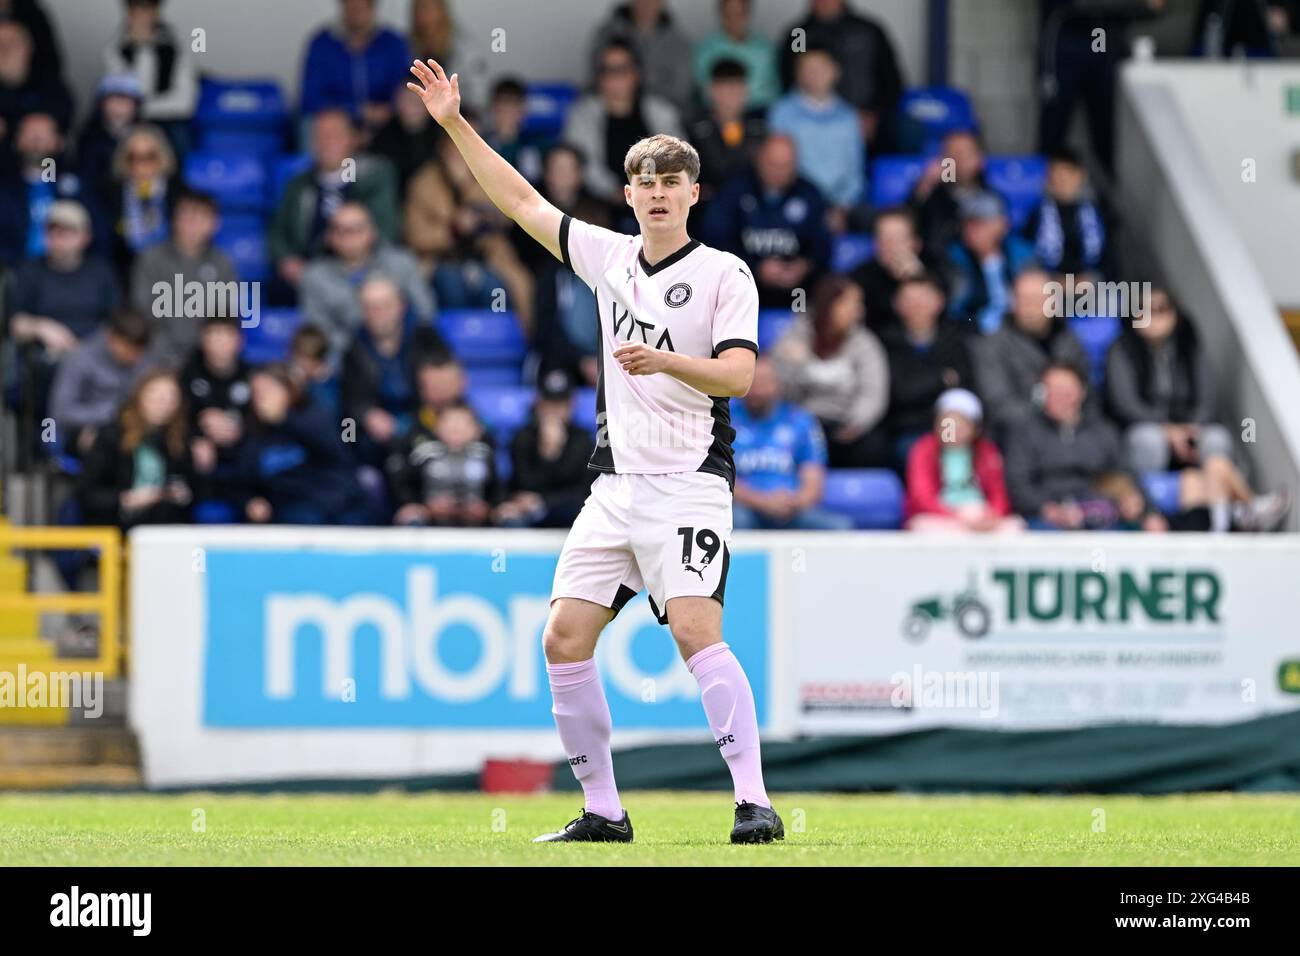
x,y
664,154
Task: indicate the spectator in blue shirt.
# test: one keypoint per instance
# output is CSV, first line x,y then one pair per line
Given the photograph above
x,y
774,220
780,461
985,263
826,132
355,65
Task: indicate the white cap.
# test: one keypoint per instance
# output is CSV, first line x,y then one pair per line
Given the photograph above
x,y
962,401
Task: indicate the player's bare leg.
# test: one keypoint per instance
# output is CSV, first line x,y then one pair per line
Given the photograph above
x,y
582,717
696,623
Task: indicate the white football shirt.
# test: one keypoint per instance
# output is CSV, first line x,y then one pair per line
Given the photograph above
x,y
697,301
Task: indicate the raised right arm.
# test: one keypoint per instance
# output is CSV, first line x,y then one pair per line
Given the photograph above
x,y
511,193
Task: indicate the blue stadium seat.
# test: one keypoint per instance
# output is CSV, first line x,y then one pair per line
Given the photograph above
x,y
1020,180
268,340
1096,333
892,179
1162,488
584,408
503,408
545,106
483,337
246,116
243,237
771,324
926,114
237,180
872,497
255,143
282,169
492,375
851,250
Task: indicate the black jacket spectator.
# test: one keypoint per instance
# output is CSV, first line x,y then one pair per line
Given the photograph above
x,y
758,224
82,299
1171,384
371,381
108,469
918,375
562,483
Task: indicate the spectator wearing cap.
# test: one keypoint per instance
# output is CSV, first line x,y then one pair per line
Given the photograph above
x,y
445,475
355,65
984,263
94,380
506,134
870,79
663,53
149,47
139,469
737,40
780,461
339,173
25,86
65,294
1066,228
606,123
832,365
1009,363
726,135
896,257
826,132
116,110
141,197
549,475
187,253
956,171
955,479
293,466
379,368
215,383
927,356
775,220
354,250
39,176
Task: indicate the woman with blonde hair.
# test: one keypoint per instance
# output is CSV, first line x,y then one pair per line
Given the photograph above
x,y
141,192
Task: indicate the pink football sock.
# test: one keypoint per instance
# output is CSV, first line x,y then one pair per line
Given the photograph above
x,y
582,716
729,705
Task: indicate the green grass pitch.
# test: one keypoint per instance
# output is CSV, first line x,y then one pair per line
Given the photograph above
x,y
393,828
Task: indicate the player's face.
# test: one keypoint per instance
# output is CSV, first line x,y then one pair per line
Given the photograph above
x,y
661,203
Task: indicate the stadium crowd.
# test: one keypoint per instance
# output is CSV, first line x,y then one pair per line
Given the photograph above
x,y
935,353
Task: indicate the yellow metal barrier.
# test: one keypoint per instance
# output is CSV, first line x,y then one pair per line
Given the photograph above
x,y
106,602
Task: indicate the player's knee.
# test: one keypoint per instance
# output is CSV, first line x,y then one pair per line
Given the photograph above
x,y
565,643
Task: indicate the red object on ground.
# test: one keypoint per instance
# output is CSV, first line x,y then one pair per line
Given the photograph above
x,y
517,776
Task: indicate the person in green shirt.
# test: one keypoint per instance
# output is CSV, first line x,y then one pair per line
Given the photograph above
x,y
737,41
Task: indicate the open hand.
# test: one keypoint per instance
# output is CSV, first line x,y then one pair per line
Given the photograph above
x,y
441,97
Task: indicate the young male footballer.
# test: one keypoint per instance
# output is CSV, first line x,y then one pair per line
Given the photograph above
x,y
678,339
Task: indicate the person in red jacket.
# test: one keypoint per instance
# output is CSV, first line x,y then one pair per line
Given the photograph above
x,y
954,474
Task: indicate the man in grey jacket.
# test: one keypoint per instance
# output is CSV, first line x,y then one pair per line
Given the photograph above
x,y
1054,457
93,381
331,283
1010,362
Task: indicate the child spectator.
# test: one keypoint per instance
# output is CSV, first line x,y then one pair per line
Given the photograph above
x,y
215,383
1066,227
139,469
549,475
955,481
726,135
826,133
309,362
521,150
446,476
293,465
780,461
833,366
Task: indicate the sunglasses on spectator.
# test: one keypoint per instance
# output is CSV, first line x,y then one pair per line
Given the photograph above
x,y
149,156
